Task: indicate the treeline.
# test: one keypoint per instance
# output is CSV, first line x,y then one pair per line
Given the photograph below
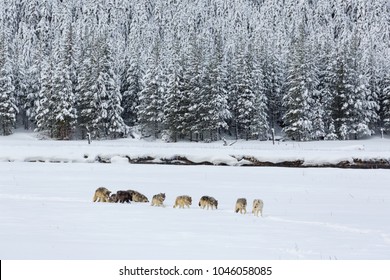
x,y
195,69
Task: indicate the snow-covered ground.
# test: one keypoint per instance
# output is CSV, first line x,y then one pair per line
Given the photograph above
x,y
28,147
46,209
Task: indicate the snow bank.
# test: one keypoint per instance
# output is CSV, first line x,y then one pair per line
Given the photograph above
x,y
24,147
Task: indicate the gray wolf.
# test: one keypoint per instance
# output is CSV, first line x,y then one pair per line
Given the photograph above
x,y
158,199
101,195
208,201
257,207
183,200
241,205
138,197
123,196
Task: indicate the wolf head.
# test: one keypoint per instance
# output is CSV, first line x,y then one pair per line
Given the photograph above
x,y
113,198
160,197
216,203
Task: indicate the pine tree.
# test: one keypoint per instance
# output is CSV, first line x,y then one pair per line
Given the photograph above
x,y
150,115
247,100
215,111
63,96
272,83
8,106
33,87
301,87
115,125
260,124
386,102
86,104
339,98
174,105
353,109
323,123
44,117
130,89
192,105
99,101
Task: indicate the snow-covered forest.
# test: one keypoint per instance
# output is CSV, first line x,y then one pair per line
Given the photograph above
x,y
195,69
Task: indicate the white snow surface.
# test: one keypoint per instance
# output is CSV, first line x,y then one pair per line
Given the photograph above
x,y
27,147
46,209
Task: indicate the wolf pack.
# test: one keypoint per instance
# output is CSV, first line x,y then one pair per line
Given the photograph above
x,y
102,194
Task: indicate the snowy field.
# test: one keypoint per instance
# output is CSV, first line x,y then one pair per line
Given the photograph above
x,y
46,209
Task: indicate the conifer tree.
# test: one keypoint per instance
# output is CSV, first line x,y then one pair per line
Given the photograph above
x,y
354,110
174,108
130,89
150,102
8,106
386,101
86,103
63,96
247,101
301,87
99,99
114,124
272,83
260,123
43,106
214,97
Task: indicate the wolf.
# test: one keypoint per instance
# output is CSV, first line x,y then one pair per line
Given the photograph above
x,y
257,207
183,200
208,201
137,197
113,198
123,196
158,199
101,195
241,205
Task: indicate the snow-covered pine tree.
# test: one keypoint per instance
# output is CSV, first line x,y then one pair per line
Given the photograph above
x,y
245,100
99,95
30,100
207,112
185,86
173,107
30,61
86,103
63,96
321,95
301,86
259,124
214,94
195,91
386,101
44,117
323,123
8,106
130,88
150,114
339,94
360,109
115,126
272,75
